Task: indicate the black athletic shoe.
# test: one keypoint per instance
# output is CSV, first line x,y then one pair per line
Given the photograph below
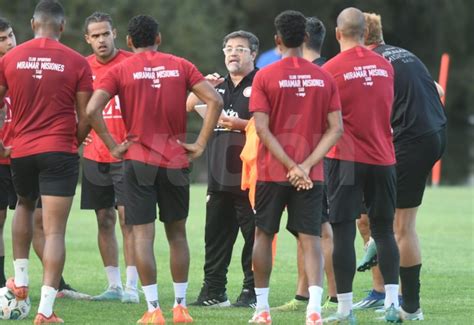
x,y
210,299
246,298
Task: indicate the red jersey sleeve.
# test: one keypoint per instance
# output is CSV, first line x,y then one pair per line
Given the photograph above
x,y
110,82
193,76
85,78
3,81
335,102
258,98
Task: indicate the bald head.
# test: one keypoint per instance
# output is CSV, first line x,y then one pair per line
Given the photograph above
x,y
351,24
49,14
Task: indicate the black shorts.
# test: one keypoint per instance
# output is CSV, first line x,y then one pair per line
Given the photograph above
x,y
50,173
414,163
147,185
102,185
304,208
351,183
7,191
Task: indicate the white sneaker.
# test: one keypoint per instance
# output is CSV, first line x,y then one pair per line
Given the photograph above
x,y
130,296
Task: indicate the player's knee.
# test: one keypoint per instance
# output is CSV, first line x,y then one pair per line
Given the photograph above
x,y
106,221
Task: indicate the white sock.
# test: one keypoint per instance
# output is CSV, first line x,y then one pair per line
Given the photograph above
x,y
132,277
262,298
391,295
344,303
180,293
315,295
113,276
151,296
21,272
48,294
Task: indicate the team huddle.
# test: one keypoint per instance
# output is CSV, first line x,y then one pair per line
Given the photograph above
x,y
336,143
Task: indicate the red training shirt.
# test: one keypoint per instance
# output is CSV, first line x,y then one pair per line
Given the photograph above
x,y
97,150
297,95
153,89
43,77
365,82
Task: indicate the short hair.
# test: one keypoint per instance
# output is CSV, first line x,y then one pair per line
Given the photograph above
x,y
143,30
351,23
251,38
317,32
50,11
4,24
97,17
291,27
374,29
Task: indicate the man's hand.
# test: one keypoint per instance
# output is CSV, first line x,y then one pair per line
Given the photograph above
x,y
232,123
193,150
214,79
87,140
5,151
119,150
299,178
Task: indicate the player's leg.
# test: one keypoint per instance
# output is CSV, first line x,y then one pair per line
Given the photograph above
x,y
220,233
380,198
246,222
140,212
327,244
6,187
304,219
270,200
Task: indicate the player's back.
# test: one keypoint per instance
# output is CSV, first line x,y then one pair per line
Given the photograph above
x,y
365,82
43,77
417,109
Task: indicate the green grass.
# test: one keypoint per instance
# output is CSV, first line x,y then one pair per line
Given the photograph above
x,y
445,225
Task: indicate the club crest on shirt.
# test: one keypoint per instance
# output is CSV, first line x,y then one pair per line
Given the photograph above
x,y
247,91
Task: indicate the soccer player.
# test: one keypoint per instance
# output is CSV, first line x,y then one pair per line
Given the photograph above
x,y
228,207
49,85
7,192
312,52
362,163
419,136
102,177
153,88
297,116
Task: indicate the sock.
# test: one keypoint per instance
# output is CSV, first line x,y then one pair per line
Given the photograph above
x,y
62,284
344,303
410,278
132,277
180,293
113,276
2,271
262,299
301,298
21,272
151,296
391,295
48,294
315,295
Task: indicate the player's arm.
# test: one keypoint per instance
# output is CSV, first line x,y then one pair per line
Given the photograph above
x,y
3,113
94,109
204,91
83,125
4,151
272,144
328,140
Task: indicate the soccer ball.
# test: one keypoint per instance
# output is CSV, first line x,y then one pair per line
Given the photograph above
x,y
10,308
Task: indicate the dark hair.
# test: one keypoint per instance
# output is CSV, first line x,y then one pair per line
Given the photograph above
x,y
4,24
49,9
317,32
97,17
251,38
291,27
143,31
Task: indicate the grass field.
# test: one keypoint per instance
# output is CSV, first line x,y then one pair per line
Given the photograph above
x,y
446,228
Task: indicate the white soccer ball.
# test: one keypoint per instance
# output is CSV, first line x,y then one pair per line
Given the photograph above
x,y
10,308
